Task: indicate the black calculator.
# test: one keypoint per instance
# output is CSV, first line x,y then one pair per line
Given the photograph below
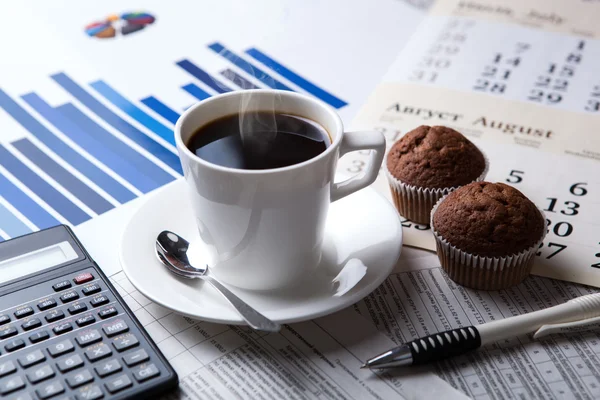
x,y
65,332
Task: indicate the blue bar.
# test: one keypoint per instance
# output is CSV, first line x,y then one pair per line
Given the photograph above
x,y
133,111
83,165
26,206
67,180
96,145
124,160
47,193
10,224
238,80
203,76
196,91
296,79
161,109
247,67
164,154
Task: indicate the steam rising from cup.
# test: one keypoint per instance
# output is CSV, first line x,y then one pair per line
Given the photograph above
x,y
257,129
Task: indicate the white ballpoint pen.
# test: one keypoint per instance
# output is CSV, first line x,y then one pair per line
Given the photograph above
x,y
574,315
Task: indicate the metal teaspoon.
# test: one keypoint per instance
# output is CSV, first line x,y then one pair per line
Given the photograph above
x,y
171,250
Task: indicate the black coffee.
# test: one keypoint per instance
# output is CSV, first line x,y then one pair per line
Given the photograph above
x,y
262,140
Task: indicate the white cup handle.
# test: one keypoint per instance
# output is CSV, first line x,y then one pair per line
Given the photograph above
x,y
354,141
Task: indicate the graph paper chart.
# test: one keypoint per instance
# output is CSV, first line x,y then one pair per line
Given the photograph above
x,y
100,149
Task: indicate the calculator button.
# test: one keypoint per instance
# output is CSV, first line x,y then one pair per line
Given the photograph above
x,y
89,337
83,278
62,328
67,297
114,328
108,367
60,348
108,312
91,289
4,319
40,374
80,378
39,336
12,384
23,312
125,342
8,332
145,372
90,393
49,390
61,286
135,357
77,308
32,358
23,396
69,363
15,345
7,367
83,321
55,315
31,324
97,353
98,301
118,383
46,304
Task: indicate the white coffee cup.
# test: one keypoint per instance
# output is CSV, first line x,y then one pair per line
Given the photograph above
x,y
263,229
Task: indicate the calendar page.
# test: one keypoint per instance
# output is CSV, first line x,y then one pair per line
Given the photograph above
x,y
527,94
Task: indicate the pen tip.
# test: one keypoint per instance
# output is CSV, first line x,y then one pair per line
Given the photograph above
x,y
364,366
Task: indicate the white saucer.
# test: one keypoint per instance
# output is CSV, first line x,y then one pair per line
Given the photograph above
x,y
363,225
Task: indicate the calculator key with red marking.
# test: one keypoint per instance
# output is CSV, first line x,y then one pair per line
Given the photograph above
x,y
83,278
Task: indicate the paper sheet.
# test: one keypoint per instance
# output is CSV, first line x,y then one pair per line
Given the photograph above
x,y
418,302
318,359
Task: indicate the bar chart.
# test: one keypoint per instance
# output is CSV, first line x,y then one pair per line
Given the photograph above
x,y
99,150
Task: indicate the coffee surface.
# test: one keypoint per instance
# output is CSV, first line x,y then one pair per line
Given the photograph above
x,y
259,140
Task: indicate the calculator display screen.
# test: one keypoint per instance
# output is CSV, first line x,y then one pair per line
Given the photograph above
x,y
36,261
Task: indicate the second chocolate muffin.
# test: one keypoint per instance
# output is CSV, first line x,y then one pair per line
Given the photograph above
x,y
487,235
427,163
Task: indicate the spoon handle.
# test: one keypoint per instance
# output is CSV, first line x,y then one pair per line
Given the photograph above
x,y
255,319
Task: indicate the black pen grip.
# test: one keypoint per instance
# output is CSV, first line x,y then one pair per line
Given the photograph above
x,y
444,344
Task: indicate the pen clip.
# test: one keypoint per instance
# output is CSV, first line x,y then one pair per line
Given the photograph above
x,y
568,327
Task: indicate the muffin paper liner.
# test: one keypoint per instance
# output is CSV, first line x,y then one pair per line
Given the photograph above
x,y
414,202
484,273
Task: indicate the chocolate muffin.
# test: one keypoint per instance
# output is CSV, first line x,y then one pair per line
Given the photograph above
x,y
427,163
487,235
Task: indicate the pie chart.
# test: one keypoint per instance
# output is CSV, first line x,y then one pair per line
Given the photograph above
x,y
123,24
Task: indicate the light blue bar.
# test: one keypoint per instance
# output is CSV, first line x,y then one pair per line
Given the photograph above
x,y
118,155
43,189
238,80
10,224
196,91
26,205
133,111
66,179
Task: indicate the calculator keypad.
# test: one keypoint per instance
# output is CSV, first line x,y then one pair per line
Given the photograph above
x,y
75,342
